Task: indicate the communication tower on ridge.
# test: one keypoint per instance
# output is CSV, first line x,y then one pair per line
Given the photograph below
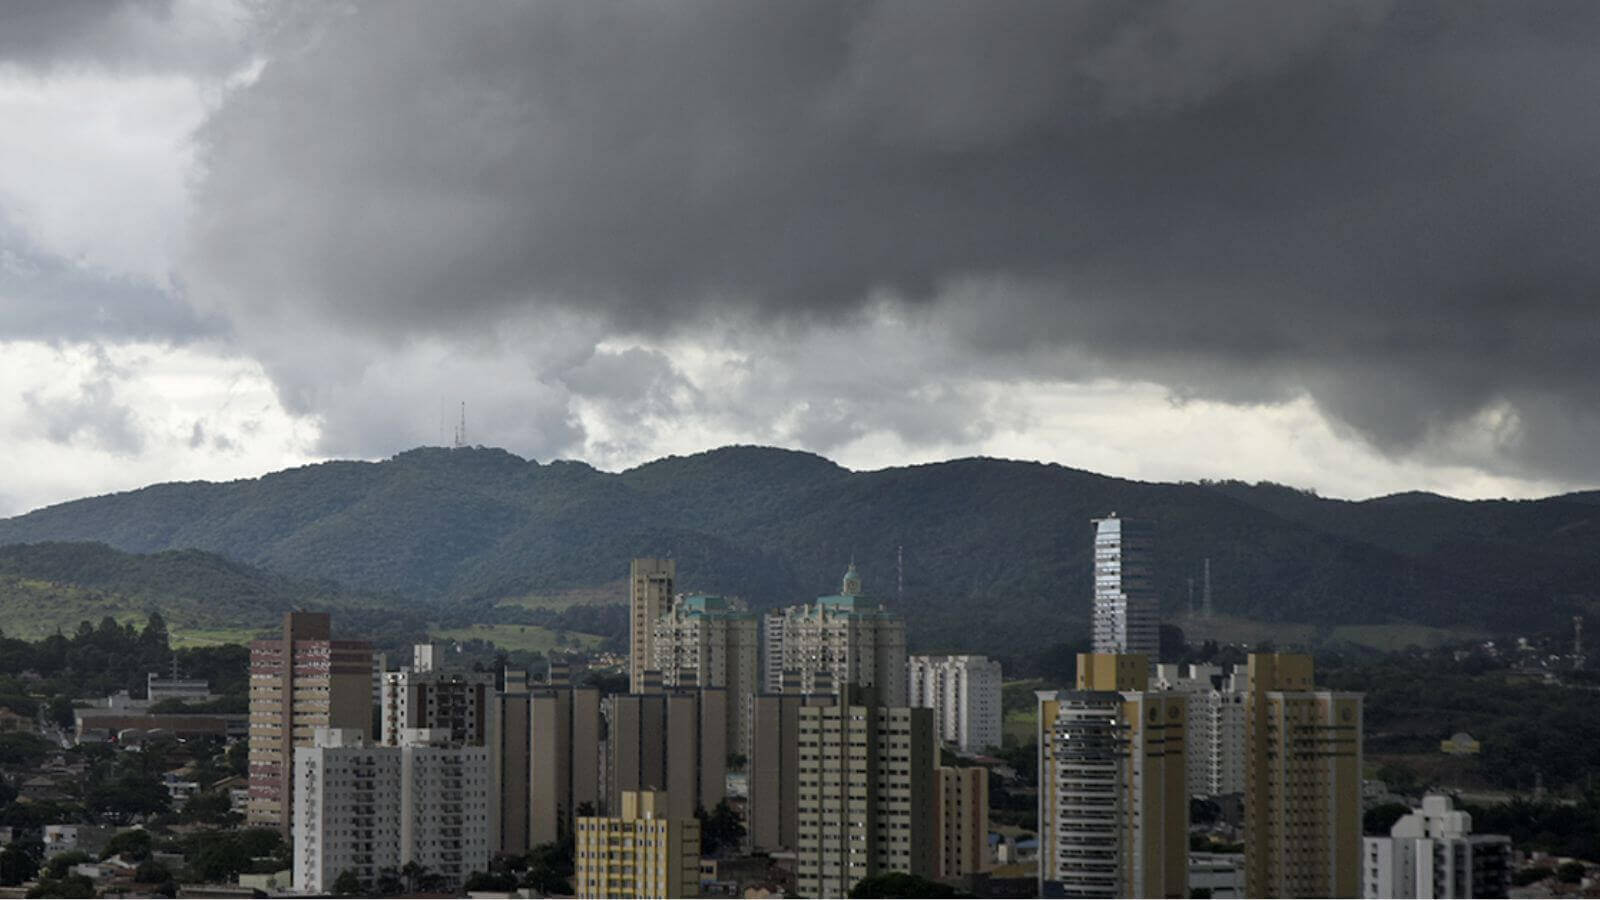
x,y
461,428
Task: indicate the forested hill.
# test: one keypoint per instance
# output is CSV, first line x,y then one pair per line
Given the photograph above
x,y
996,553
51,586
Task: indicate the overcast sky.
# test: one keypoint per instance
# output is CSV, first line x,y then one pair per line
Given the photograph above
x,y
1341,245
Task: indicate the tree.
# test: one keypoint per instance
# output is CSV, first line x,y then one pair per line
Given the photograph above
x,y
549,867
16,866
720,830
134,844
899,884
1378,820
1571,872
151,872
347,884
62,863
61,712
70,886
491,881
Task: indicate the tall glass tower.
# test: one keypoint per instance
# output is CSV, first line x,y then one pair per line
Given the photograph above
x,y
1126,612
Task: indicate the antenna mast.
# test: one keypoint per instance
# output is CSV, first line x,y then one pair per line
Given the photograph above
x,y
461,427
1205,596
899,574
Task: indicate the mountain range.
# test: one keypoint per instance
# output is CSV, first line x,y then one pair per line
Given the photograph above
x,y
981,554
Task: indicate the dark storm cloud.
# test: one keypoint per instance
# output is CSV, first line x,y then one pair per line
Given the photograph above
x,y
1389,207
140,35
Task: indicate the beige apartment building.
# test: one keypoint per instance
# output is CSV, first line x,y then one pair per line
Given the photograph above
x,y
544,748
650,587
1113,804
673,741
300,682
1302,798
844,639
643,851
961,817
865,795
773,808
706,641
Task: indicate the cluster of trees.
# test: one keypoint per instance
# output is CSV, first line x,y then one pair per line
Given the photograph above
x,y
111,656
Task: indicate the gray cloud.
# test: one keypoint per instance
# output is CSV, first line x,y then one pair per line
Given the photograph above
x,y
92,414
1387,207
128,35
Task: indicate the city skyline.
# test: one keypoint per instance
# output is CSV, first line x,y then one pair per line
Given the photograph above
x,y
1338,248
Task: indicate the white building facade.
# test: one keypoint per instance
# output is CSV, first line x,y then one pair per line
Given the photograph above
x,y
1432,852
1126,610
964,694
362,808
1215,745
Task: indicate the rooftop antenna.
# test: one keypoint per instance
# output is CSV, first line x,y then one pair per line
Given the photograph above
x,y
1192,609
1577,640
899,574
1205,595
461,427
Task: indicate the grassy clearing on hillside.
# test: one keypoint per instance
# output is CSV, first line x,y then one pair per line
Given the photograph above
x,y
1286,635
182,638
1021,725
1399,637
533,638
560,600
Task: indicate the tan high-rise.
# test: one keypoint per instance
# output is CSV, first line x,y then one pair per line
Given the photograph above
x,y
643,851
961,814
1113,805
650,585
865,796
299,683
1302,798
544,751
773,810
674,740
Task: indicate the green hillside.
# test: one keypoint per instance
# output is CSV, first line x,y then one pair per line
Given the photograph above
x,y
47,587
996,553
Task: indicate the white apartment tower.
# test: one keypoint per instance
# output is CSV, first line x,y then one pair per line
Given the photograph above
x,y
1215,744
964,694
1432,852
711,642
848,638
1126,611
363,808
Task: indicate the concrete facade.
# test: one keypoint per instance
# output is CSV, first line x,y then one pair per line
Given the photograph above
x,y
961,821
1302,799
545,749
1113,800
298,683
673,741
642,851
847,638
424,696
866,795
362,808
1432,852
650,588
964,694
712,642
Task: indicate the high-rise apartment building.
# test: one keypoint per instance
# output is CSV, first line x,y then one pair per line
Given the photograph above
x,y
650,586
362,808
1432,852
1113,804
545,750
961,821
675,741
1302,797
773,808
866,795
643,851
964,694
298,683
1126,610
1216,724
424,695
712,642
847,638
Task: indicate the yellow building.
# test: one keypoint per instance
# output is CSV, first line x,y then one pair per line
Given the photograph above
x,y
641,853
1113,800
1302,800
